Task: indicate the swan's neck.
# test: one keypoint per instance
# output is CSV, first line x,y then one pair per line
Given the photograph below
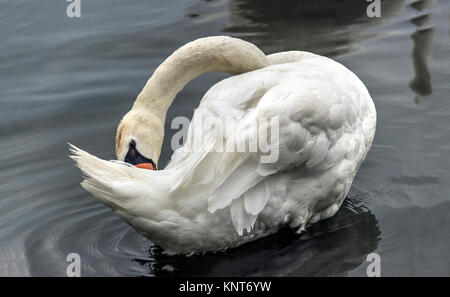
x,y
218,54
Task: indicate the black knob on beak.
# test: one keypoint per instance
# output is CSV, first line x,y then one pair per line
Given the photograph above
x,y
134,157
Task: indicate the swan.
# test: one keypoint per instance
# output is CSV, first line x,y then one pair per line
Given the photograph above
x,y
211,200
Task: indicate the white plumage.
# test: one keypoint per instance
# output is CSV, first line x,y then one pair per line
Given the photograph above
x,y
209,200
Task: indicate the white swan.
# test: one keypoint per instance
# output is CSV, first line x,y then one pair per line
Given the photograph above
x,y
208,201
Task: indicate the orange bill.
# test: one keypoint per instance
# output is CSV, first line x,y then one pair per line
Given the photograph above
x,y
145,166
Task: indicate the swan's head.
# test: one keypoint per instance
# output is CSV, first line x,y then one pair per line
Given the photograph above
x,y
139,138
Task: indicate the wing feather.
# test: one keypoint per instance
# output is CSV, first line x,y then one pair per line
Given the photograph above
x,y
307,101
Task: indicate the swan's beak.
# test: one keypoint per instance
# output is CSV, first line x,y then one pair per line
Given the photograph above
x,y
145,166
135,158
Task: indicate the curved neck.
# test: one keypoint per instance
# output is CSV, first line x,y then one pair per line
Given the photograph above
x,y
218,54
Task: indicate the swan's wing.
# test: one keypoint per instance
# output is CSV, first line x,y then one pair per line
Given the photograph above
x,y
314,103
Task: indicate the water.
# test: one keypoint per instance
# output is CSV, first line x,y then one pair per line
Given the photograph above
x,y
71,80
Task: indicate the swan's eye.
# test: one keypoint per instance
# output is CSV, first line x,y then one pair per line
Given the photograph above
x,y
132,144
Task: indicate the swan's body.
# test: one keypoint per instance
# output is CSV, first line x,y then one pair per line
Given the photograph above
x,y
207,200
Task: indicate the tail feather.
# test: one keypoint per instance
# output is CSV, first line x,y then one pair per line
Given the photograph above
x,y
94,167
112,183
102,193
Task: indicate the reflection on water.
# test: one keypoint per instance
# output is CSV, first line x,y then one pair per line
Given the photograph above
x,y
326,27
423,43
421,53
71,80
329,248
421,5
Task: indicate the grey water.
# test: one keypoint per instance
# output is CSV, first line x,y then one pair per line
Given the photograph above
x,y
72,79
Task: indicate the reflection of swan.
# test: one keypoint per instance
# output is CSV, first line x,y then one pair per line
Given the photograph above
x,y
322,26
329,248
203,201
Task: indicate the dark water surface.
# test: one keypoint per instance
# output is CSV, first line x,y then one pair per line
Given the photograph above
x,y
71,80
